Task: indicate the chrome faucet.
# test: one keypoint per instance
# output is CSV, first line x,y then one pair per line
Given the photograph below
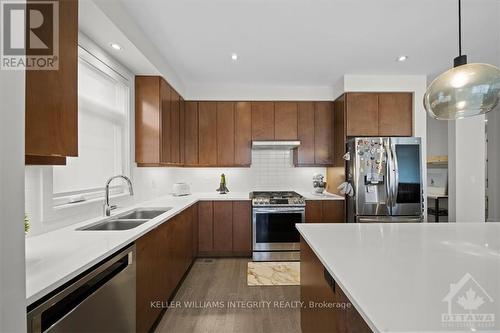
x,y
107,208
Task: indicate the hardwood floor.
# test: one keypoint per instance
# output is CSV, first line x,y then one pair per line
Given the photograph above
x,y
222,281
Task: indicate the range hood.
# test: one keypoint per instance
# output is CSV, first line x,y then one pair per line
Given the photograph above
x,y
275,145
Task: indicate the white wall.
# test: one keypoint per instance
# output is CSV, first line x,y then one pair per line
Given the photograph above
x,y
240,92
12,271
404,83
493,134
437,137
148,184
466,167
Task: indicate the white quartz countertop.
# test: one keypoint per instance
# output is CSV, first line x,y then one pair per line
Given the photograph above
x,y
399,276
56,257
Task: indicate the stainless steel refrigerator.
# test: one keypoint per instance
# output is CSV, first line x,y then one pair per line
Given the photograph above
x,y
386,176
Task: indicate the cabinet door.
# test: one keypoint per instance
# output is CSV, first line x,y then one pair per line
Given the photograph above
x,y
149,279
191,134
166,122
175,155
223,226
395,113
242,227
170,264
339,131
205,226
323,127
243,133
51,118
313,211
314,288
332,211
362,114
262,121
285,121
304,155
182,130
148,108
225,133
194,218
207,133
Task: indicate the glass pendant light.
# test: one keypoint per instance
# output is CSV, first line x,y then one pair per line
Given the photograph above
x,y
464,91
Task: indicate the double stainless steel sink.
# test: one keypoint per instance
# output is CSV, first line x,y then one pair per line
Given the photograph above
x,y
127,220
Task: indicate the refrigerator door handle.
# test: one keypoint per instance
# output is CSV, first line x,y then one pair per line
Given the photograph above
x,y
388,168
396,173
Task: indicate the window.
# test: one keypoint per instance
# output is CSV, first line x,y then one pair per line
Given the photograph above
x,y
103,126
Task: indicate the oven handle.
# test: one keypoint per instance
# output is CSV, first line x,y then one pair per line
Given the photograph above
x,y
280,210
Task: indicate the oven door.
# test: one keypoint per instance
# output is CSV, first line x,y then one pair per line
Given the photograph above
x,y
274,228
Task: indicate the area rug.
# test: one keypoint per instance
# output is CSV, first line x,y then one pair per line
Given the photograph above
x,y
273,273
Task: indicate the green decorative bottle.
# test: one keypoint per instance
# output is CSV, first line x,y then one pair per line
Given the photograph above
x,y
222,187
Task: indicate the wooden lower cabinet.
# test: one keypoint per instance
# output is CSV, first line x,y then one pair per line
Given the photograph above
x,y
242,228
225,228
163,257
325,211
340,315
205,227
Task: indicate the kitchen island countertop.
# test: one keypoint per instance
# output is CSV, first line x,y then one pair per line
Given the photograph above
x,y
411,277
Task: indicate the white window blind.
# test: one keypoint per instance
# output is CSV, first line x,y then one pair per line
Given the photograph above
x,y
102,135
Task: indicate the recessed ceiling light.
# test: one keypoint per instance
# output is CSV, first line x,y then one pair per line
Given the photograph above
x,y
116,46
234,56
402,58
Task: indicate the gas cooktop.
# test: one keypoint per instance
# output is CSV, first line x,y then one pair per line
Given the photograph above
x,y
277,198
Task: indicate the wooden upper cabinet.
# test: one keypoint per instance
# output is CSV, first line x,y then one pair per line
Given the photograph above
x,y
395,114
339,131
242,134
175,117
225,133
262,120
165,131
285,121
148,108
159,139
323,140
191,134
182,130
207,133
362,114
304,155
51,120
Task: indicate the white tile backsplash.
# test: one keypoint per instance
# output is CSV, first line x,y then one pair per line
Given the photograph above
x,y
270,170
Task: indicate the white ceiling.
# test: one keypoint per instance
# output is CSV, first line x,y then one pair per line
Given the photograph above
x,y
312,42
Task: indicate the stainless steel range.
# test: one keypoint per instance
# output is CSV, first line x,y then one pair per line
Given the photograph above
x,y
275,214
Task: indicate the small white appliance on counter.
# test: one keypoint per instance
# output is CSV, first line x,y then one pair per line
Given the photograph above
x,y
180,189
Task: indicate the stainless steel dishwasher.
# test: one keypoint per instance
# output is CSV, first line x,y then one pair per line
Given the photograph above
x,y
101,300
